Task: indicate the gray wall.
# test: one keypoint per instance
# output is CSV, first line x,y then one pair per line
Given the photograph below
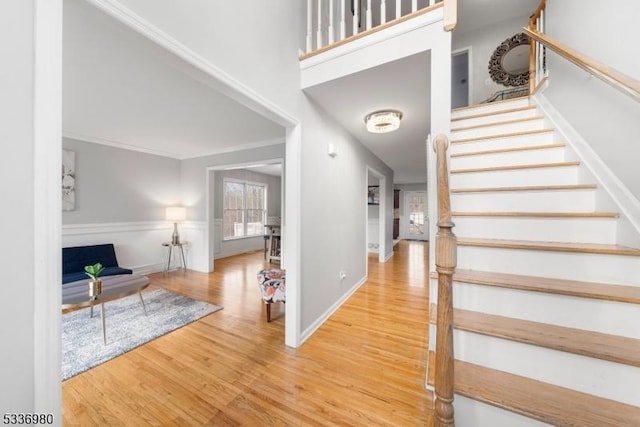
x,y
483,42
116,185
17,289
194,173
604,117
334,232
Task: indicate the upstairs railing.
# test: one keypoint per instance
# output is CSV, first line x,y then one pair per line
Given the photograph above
x,y
446,249
537,52
537,67
334,21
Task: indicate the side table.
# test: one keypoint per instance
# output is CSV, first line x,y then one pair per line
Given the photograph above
x,y
171,245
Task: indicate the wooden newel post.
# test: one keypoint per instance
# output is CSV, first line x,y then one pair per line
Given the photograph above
x,y
446,248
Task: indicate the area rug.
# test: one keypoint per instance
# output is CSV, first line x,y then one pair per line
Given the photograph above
x,y
127,327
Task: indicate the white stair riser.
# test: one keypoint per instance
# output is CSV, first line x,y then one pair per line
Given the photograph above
x,y
506,142
609,317
525,201
624,270
472,413
490,107
593,376
498,117
498,129
576,230
509,158
538,176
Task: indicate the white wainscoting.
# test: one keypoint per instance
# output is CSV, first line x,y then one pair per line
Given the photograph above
x,y
138,245
226,248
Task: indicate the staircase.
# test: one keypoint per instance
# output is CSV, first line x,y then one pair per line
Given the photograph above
x,y
546,304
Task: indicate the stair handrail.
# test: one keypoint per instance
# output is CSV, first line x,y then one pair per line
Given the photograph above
x,y
618,80
445,259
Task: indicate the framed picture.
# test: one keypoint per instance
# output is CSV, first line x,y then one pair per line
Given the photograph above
x,y
68,180
373,195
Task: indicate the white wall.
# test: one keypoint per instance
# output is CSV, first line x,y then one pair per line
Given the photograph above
x,y
255,42
604,117
30,45
17,278
483,43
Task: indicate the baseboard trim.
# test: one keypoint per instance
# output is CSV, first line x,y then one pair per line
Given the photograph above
x,y
329,312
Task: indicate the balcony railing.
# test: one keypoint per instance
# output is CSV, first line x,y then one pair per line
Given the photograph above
x,y
331,21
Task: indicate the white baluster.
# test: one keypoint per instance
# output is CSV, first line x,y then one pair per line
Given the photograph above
x,y
414,5
331,36
383,12
432,2
309,26
356,16
319,31
398,8
343,29
369,16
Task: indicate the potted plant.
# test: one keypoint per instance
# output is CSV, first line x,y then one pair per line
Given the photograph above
x,y
95,284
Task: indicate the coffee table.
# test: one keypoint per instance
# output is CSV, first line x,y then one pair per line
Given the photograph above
x,y
76,294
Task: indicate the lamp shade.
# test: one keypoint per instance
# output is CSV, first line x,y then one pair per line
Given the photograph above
x,y
176,213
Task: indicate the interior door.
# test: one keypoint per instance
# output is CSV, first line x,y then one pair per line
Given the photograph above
x,y
416,222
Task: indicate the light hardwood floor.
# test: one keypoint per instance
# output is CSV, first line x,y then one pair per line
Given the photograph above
x,y
364,367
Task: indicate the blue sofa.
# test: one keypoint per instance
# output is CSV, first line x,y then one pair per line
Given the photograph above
x,y
75,258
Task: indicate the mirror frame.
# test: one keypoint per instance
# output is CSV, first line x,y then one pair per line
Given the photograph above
x,y
497,72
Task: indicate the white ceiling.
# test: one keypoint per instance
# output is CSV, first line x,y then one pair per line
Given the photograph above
x,y
121,89
400,85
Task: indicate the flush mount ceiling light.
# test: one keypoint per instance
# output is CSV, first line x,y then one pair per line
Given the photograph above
x,y
383,121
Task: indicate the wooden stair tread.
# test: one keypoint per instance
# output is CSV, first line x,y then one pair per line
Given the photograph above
x,y
525,188
571,340
538,214
592,248
545,402
509,150
493,113
517,167
468,107
503,122
576,288
501,135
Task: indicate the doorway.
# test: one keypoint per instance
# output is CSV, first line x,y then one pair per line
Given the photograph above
x,y
460,76
416,221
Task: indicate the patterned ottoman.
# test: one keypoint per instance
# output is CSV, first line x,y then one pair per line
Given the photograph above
x,y
272,287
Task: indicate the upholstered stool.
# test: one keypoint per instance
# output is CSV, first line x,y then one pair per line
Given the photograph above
x,y
272,287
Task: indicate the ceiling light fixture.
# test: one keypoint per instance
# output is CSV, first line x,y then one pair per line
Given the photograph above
x,y
383,121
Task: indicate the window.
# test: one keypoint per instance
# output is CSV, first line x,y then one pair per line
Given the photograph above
x,y
244,209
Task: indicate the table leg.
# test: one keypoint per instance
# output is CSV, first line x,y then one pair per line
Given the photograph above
x,y
144,307
184,263
168,260
104,329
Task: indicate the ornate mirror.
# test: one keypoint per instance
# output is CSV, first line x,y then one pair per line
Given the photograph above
x,y
509,64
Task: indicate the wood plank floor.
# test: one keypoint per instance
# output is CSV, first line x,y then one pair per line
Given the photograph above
x,y
363,367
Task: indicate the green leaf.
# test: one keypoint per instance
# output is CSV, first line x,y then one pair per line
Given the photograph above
x,y
93,271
